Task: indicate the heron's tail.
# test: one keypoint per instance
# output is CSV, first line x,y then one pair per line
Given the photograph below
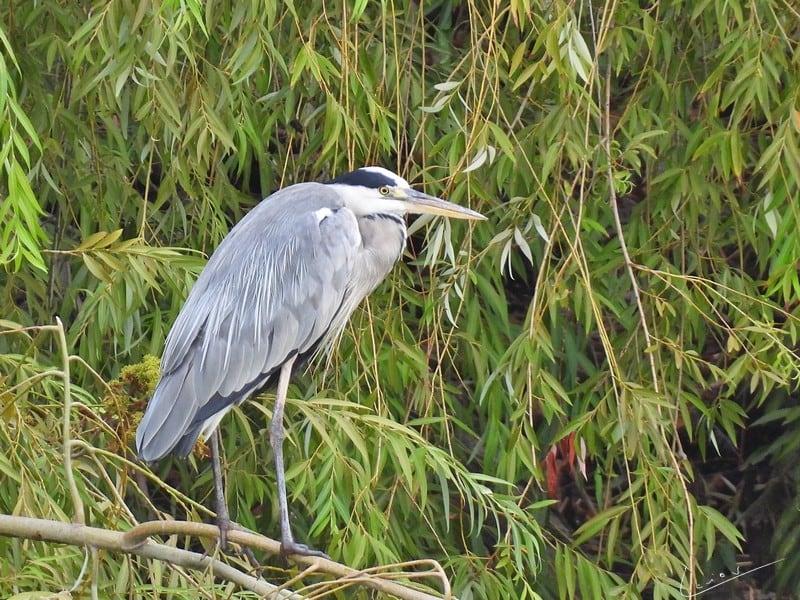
x,y
169,416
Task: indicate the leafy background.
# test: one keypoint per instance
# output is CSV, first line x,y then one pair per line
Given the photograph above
x,y
592,394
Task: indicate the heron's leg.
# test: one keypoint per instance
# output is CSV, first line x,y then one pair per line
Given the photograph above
x,y
276,435
223,517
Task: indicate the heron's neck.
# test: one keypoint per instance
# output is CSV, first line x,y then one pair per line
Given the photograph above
x,y
383,237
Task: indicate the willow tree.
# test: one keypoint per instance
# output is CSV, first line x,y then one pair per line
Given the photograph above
x,y
591,394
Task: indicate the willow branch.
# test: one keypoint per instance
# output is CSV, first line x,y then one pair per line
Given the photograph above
x,y
94,537
629,266
143,531
77,503
137,541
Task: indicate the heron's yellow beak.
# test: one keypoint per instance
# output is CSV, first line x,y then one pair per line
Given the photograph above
x,y
422,204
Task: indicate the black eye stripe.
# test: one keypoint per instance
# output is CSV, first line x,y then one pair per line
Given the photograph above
x,y
369,179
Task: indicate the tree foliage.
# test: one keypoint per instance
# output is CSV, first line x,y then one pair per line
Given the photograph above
x,y
592,394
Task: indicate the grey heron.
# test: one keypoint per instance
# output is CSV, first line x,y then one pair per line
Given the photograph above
x,y
281,285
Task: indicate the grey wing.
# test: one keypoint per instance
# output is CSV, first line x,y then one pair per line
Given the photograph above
x,y
270,291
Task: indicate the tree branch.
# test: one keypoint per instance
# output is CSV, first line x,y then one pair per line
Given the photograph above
x,y
136,541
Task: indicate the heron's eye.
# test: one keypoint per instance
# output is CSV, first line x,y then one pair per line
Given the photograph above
x,y
384,190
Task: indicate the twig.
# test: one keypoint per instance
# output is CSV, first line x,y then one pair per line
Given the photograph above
x,y
79,515
629,266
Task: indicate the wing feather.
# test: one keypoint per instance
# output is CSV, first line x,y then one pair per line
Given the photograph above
x,y
154,436
271,290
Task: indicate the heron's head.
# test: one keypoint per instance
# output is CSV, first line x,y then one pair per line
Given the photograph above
x,y
375,190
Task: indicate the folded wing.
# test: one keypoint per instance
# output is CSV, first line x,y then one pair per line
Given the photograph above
x,y
275,287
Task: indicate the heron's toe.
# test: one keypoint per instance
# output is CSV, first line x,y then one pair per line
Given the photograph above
x,y
293,548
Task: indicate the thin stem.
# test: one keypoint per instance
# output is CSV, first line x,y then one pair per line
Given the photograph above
x,y
77,503
643,319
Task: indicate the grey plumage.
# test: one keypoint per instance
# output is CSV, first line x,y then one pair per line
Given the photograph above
x,y
281,284
245,322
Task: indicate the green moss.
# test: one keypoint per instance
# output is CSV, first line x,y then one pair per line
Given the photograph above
x,y
127,399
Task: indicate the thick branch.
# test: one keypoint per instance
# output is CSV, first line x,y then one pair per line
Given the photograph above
x,y
83,535
136,541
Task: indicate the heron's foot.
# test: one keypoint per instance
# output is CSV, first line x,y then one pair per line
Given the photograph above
x,y
289,548
226,525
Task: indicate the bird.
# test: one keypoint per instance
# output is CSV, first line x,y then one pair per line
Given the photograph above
x,y
279,288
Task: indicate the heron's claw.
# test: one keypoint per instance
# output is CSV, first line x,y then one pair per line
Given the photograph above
x,y
225,525
293,548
